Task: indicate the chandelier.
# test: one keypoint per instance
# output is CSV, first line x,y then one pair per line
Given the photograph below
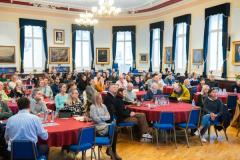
x,y
106,8
86,19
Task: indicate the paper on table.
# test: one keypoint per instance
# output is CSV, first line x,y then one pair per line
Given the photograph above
x,y
49,124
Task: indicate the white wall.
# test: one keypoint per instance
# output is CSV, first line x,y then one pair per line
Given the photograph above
x,y
9,32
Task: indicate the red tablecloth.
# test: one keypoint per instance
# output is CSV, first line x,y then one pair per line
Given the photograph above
x,y
140,94
167,89
14,108
180,110
63,133
223,97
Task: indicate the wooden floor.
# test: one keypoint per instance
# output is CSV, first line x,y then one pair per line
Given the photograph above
x,y
133,150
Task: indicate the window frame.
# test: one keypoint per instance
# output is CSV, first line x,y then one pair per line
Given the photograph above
x,y
81,40
33,38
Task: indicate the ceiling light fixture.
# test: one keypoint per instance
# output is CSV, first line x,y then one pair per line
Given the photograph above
x,y
86,19
106,8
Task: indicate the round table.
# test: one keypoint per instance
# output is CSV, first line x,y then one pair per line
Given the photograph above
x,y
65,132
14,108
223,97
180,110
167,89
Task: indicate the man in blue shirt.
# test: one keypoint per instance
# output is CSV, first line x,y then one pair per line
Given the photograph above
x,y
25,126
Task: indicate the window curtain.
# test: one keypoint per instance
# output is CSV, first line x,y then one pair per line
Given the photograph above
x,y
153,26
131,29
32,22
181,19
220,9
76,27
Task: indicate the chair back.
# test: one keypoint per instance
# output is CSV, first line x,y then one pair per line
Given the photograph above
x,y
232,101
111,131
23,149
87,135
166,118
194,117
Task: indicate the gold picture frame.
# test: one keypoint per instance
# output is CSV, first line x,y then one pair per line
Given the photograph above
x,y
236,53
7,54
197,56
102,56
143,58
168,55
59,36
59,55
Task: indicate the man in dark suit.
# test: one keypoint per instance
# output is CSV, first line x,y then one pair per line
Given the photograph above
x,y
110,102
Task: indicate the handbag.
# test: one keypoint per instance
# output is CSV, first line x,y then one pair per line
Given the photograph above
x,y
102,129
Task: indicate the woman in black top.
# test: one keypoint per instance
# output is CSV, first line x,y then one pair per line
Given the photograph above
x,y
73,103
17,92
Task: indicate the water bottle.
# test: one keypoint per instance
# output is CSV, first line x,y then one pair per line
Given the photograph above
x,y
235,90
45,116
156,101
52,116
193,103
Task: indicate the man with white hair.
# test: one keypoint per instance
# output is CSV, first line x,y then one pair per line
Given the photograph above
x,y
122,83
129,95
152,92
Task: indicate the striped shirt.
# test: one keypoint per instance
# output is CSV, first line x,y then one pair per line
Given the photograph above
x,y
24,126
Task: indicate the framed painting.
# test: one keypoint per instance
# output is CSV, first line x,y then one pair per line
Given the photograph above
x,y
168,55
197,56
143,58
7,54
102,56
236,53
59,55
59,36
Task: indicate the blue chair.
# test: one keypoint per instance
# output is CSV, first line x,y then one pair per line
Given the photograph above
x,y
86,140
217,124
128,125
232,102
105,140
192,123
25,149
165,123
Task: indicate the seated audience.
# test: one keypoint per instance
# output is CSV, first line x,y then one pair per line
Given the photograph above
x,y
45,88
212,83
203,95
138,83
213,108
12,83
31,80
125,115
17,92
3,78
236,87
200,85
3,93
129,95
113,77
73,103
186,83
99,84
55,86
181,93
154,90
5,111
25,126
122,83
110,102
61,98
155,79
82,82
194,80
169,80
37,105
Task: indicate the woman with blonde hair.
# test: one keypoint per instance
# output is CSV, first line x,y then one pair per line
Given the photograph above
x,y
73,103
